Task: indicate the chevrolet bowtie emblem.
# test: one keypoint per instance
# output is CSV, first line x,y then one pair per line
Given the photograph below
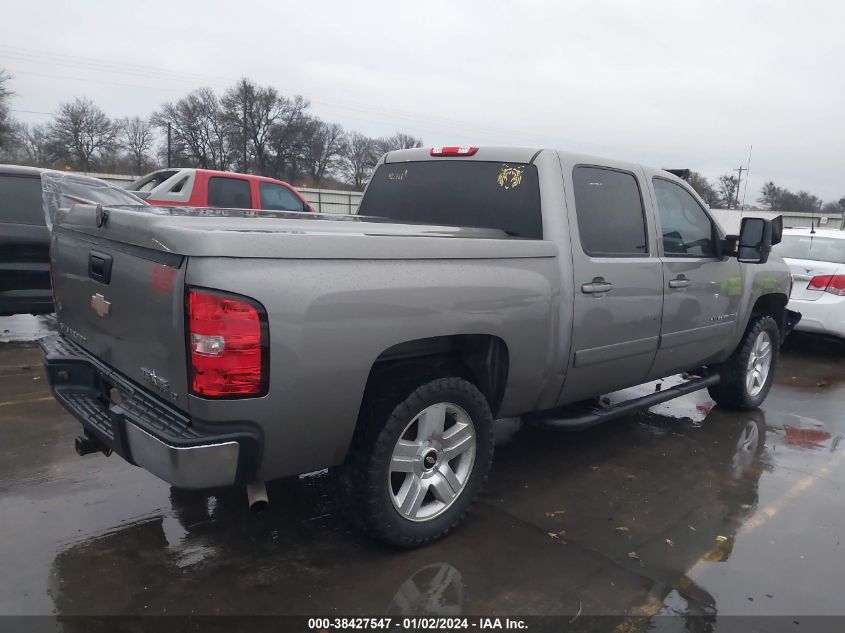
x,y
100,305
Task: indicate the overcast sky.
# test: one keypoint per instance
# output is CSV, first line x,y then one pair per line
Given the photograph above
x,y
669,84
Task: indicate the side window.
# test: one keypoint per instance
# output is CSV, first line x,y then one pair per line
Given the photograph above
x,y
278,198
20,200
610,213
229,193
687,230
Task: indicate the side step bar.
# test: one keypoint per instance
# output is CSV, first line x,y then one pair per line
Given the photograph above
x,y
556,418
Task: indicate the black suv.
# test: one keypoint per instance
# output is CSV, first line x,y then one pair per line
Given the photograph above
x,y
25,237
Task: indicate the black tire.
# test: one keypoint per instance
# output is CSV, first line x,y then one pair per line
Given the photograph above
x,y
732,391
363,482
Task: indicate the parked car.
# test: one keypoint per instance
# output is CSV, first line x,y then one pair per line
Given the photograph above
x,y
817,260
25,234
476,284
208,188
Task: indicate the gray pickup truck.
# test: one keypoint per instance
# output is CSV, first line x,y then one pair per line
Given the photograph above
x,y
221,347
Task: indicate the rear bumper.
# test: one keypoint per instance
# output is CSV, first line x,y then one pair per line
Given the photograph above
x,y
142,429
825,315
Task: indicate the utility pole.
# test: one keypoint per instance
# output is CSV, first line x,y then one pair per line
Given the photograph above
x,y
747,175
739,169
243,123
168,145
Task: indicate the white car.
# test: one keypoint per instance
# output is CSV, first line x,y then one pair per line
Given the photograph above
x,y
817,260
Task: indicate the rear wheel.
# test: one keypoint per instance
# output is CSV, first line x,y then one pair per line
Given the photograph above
x,y
747,375
414,468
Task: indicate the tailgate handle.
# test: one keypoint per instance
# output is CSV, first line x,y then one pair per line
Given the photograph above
x,y
99,266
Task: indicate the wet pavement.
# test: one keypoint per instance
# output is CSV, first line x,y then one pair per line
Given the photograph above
x,y
687,509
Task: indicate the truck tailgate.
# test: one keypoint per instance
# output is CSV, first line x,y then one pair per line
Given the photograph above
x,y
124,304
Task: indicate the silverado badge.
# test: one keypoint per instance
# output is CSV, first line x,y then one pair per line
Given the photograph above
x,y
100,305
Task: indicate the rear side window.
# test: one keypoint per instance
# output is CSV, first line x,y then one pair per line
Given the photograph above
x,y
480,194
151,181
278,198
177,188
229,193
20,200
687,230
610,213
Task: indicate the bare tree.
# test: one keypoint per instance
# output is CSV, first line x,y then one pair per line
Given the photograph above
x,y
804,202
704,188
137,138
30,143
200,132
252,112
82,132
399,140
727,190
359,158
771,196
5,119
782,199
288,137
323,148
831,208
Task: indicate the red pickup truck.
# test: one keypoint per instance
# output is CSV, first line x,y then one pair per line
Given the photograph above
x,y
208,188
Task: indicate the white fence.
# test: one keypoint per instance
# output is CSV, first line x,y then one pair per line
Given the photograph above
x,y
119,180
323,200
819,220
729,218
331,200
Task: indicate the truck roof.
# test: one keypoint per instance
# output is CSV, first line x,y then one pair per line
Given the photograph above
x,y
506,154
20,170
214,172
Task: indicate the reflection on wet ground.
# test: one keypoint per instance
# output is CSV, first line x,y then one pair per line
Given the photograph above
x,y
685,509
21,328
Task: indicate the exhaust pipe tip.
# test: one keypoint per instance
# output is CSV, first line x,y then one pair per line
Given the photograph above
x,y
256,494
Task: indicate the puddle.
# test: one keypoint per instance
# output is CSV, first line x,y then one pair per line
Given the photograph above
x,y
694,406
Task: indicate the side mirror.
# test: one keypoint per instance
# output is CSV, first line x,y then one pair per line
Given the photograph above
x,y
777,230
755,241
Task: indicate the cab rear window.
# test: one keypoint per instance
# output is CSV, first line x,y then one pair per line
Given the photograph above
x,y
20,200
480,194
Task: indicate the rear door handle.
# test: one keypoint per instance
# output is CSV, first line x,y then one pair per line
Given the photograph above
x,y
596,286
680,282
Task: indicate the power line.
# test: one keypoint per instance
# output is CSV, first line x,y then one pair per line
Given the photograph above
x,y
91,64
96,81
31,112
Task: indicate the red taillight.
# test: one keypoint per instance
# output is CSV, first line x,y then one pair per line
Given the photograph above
x,y
834,284
226,346
453,151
